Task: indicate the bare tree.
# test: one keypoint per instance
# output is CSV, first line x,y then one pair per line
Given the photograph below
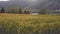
x,y
25,12
28,12
43,11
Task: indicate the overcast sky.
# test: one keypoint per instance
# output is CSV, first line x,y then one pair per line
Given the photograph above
x,y
31,3
24,0
26,3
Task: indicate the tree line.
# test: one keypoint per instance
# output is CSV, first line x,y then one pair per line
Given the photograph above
x,y
21,11
14,10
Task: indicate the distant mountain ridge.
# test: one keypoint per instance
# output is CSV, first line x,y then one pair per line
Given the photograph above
x,y
50,4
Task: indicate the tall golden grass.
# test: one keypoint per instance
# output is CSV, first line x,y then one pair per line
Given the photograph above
x,y
29,24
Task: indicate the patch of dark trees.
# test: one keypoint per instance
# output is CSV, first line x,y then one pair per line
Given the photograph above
x,y
19,12
2,10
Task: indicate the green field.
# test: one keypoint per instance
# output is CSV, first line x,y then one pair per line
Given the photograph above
x,y
29,24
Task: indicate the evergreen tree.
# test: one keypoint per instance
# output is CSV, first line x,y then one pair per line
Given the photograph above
x,y
20,11
2,10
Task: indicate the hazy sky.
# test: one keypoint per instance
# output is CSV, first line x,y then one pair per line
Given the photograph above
x,y
4,0
31,3
20,0
34,1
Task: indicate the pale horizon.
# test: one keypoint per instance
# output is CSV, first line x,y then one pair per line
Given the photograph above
x,y
4,0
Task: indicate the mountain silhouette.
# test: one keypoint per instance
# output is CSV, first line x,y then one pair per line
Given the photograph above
x,y
50,4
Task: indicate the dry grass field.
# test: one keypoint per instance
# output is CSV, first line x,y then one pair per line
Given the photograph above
x,y
29,24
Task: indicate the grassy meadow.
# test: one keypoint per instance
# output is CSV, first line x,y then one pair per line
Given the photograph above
x,y
29,24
